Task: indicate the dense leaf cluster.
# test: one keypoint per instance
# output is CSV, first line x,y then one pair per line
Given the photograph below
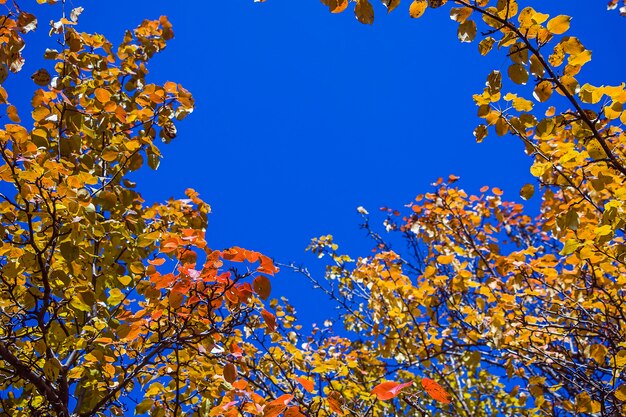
x,y
110,306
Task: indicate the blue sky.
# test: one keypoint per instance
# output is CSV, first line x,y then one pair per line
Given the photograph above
x,y
302,115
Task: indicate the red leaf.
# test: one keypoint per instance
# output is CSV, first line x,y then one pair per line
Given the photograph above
x,y
230,373
235,350
388,390
270,320
262,286
436,391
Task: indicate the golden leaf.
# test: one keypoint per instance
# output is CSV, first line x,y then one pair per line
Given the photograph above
x,y
559,24
417,8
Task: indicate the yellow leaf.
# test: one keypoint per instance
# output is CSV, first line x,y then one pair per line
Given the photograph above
x,y
584,404
109,155
543,91
417,8
604,230
486,45
580,59
570,247
590,94
620,359
559,25
570,83
598,353
445,259
528,17
614,110
507,8
521,104
40,113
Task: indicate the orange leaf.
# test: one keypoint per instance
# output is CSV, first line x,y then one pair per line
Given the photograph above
x,y
267,265
306,383
156,262
436,391
277,406
388,390
273,410
240,384
235,350
234,254
341,6
293,412
102,95
251,256
12,113
335,402
170,245
283,399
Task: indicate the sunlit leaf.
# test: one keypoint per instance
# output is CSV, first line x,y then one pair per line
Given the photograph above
x,y
388,390
559,24
417,8
436,391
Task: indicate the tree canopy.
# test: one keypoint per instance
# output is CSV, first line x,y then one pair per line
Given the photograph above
x,y
467,306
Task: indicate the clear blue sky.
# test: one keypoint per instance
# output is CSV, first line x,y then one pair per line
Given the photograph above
x,y
302,115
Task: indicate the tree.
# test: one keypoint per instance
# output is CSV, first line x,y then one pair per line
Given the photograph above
x,y
100,294
110,306
511,315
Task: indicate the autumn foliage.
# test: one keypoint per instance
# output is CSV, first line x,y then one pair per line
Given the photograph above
x,y
468,306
